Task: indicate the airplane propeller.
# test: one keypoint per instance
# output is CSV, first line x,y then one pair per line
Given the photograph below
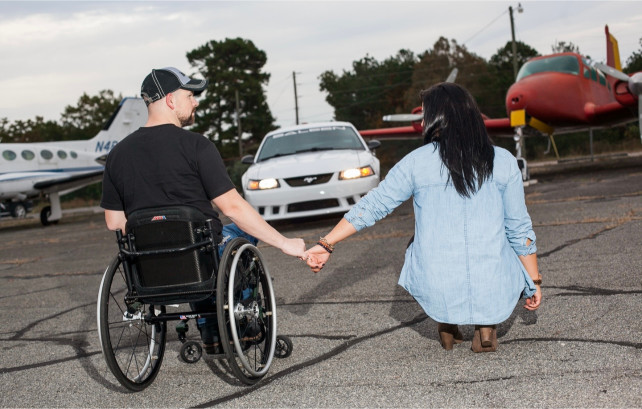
x,y
634,83
416,117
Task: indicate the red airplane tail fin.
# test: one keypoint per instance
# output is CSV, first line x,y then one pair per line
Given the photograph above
x,y
612,51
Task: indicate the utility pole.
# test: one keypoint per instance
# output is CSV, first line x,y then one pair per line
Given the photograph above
x,y
238,123
296,99
521,149
512,31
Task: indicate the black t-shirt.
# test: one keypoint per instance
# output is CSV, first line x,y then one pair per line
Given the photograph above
x,y
161,166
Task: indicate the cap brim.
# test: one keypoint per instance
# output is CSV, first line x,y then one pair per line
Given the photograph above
x,y
195,85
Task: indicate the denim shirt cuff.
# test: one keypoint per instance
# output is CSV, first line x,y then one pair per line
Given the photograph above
x,y
525,250
357,222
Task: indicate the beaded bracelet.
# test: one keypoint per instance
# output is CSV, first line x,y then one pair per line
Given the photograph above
x,y
539,280
326,246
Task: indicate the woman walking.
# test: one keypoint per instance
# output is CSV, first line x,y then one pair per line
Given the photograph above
x,y
473,254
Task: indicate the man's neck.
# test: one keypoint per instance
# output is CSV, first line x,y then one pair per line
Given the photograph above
x,y
155,120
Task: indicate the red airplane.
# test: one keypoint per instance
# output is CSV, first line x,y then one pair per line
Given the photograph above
x,y
557,93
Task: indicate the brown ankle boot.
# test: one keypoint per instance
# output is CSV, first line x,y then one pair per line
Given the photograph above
x,y
485,338
449,334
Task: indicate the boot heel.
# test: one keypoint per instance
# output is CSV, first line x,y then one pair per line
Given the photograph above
x,y
484,339
486,336
449,335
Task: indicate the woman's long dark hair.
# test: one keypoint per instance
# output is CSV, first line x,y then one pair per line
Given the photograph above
x,y
453,120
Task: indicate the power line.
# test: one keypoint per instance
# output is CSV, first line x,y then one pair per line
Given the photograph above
x,y
485,27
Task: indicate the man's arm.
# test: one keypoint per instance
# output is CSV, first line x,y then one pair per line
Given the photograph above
x,y
247,219
115,220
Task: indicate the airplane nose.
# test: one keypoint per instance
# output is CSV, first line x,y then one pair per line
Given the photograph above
x,y
515,100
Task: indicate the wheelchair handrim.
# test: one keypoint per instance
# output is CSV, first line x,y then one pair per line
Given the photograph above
x,y
230,303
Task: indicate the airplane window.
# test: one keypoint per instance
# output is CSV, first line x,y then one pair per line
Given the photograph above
x,y
73,154
46,154
9,155
602,78
593,74
567,64
28,155
62,154
587,72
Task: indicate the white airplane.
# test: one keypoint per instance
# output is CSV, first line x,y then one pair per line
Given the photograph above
x,y
52,169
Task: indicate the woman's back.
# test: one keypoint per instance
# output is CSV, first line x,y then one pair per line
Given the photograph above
x,y
461,266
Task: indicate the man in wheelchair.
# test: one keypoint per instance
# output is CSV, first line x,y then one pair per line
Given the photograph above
x,y
162,164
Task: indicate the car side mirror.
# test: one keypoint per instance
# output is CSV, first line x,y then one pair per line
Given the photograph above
x,y
247,159
373,144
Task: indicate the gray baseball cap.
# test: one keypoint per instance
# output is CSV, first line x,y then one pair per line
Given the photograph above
x,y
161,82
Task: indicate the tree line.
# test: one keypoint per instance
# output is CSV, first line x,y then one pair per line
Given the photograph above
x,y
361,95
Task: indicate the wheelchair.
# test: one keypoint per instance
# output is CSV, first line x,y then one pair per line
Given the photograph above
x,y
169,257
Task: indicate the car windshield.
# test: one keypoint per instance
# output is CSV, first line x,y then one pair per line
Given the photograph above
x,y
563,63
309,140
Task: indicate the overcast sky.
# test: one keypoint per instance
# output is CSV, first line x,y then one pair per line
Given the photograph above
x,y
52,52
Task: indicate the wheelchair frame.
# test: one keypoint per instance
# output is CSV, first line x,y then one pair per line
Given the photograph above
x,y
132,318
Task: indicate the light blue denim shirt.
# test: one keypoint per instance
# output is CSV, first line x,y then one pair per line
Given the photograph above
x,y
463,265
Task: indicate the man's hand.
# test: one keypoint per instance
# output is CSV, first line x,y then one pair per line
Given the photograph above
x,y
294,247
316,258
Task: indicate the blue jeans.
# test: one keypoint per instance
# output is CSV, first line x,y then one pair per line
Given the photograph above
x,y
209,326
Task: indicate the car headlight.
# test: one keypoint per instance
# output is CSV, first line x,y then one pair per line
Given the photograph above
x,y
356,173
263,184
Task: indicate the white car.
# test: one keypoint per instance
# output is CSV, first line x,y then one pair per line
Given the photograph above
x,y
309,170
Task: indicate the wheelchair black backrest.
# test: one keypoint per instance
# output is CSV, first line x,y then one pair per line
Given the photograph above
x,y
165,260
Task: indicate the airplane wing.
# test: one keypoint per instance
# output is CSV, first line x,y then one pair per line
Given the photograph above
x,y
400,132
70,182
499,127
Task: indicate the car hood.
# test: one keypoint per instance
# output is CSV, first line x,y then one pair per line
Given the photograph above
x,y
309,163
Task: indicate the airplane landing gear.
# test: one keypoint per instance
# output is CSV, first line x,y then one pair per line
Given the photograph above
x,y
51,214
45,213
521,162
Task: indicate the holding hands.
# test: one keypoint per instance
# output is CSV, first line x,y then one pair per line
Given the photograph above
x,y
316,257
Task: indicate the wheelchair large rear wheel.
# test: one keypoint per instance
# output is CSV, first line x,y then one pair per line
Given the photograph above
x,y
246,311
133,348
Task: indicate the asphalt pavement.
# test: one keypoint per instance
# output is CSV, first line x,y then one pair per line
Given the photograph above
x,y
359,339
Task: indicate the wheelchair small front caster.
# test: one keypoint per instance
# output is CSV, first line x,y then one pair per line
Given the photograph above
x,y
283,347
191,352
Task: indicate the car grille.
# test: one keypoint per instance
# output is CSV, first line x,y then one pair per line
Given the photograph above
x,y
308,180
312,205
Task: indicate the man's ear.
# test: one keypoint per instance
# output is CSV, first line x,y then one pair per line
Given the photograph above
x,y
169,100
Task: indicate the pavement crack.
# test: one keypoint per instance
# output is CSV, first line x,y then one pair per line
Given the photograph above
x,y
590,291
582,198
18,335
340,302
574,241
48,363
31,292
48,275
636,345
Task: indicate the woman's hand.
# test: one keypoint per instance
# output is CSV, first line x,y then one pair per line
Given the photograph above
x,y
316,257
534,301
